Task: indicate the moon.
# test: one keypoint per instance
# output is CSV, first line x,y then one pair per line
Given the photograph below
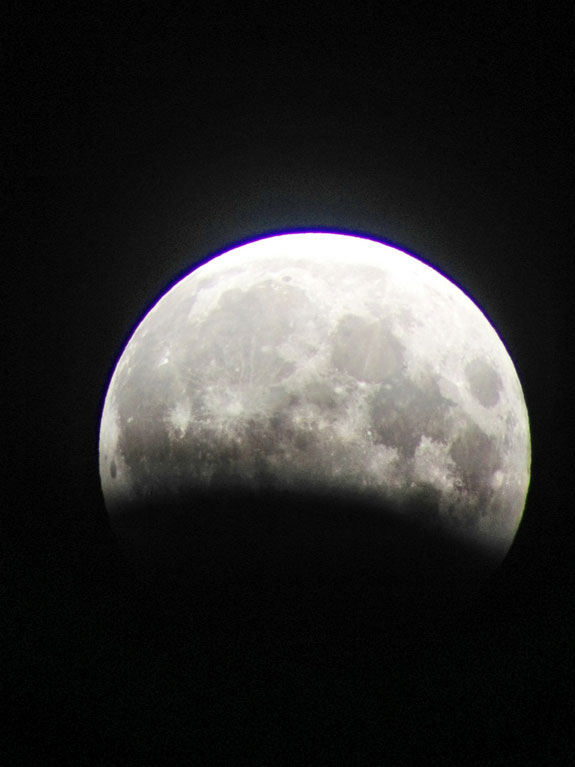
x,y
326,363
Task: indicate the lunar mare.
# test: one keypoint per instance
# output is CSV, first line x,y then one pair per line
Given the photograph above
x,y
321,361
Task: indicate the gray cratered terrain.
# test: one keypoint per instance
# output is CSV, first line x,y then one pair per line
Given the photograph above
x,y
321,362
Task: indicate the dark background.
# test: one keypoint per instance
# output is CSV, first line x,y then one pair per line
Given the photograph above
x,y
142,140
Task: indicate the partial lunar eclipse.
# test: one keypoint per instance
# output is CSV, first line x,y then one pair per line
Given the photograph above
x,y
324,362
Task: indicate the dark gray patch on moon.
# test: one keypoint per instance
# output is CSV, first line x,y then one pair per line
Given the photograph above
x,y
238,341
484,382
113,469
321,394
401,412
476,457
366,350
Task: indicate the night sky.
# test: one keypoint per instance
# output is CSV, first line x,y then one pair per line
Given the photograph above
x,y
142,141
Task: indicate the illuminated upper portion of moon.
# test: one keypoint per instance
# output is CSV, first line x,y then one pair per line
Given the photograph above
x,y
328,361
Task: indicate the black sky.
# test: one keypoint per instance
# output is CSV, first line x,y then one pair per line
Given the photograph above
x,y
139,142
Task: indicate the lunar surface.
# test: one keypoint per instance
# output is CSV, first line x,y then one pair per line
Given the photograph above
x,y
326,363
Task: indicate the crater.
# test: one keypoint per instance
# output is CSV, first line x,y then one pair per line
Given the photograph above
x,y
484,382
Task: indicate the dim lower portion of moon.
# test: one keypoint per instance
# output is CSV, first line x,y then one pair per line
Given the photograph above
x,y
324,363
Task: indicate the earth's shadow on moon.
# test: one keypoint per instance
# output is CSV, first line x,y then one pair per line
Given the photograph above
x,y
288,566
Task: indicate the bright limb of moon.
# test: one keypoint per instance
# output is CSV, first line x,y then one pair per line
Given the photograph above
x,y
324,361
